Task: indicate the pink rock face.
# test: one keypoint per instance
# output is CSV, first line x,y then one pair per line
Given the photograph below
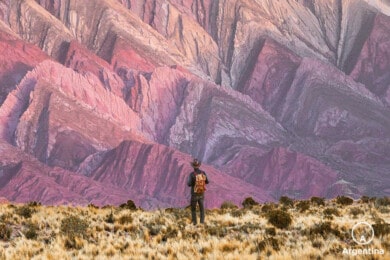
x,y
135,89
157,98
268,80
180,22
125,57
287,172
118,177
373,64
24,179
198,10
17,58
163,172
362,151
85,62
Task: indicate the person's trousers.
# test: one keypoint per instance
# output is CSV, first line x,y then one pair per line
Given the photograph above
x,y
197,199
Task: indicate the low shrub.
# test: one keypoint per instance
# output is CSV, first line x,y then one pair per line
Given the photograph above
x,y
34,204
110,218
286,201
280,219
268,207
270,241
73,243
344,200
228,247
381,229
248,228
324,229
382,202
366,199
154,229
6,218
270,231
228,205
170,233
303,205
125,219
24,211
73,226
128,205
237,213
318,201
5,231
316,244
93,206
217,231
182,213
249,202
331,211
31,231
356,211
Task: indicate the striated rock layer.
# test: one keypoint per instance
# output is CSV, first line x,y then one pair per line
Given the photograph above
x,y
373,64
109,100
18,57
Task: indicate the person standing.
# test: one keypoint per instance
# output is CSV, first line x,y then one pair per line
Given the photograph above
x,y
197,181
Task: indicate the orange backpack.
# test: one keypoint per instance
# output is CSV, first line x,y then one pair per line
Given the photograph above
x,y
200,183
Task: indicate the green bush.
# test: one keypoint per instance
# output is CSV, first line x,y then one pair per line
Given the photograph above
x,y
32,231
366,199
110,218
249,202
268,207
270,231
385,201
237,213
286,201
92,206
270,241
5,231
356,211
228,205
344,200
154,229
128,205
170,233
6,218
316,244
34,204
303,205
74,226
73,243
324,229
381,229
280,219
318,201
331,211
24,211
217,231
125,219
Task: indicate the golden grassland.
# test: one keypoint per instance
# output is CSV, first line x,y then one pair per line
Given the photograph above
x,y
312,229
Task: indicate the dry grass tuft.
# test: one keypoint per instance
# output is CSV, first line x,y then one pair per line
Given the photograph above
x,y
315,229
279,218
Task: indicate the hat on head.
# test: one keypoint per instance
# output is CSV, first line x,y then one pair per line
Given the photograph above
x,y
195,163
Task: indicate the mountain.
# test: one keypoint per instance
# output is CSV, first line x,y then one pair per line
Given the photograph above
x,y
105,101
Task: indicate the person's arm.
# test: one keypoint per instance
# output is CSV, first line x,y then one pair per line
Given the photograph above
x,y
207,179
189,181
